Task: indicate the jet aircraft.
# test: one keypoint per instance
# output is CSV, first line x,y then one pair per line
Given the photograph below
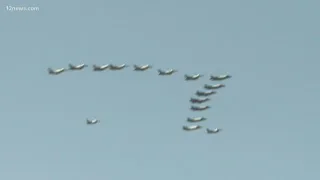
x,y
192,77
100,68
117,67
191,128
213,131
220,78
199,108
205,93
56,71
77,67
93,121
216,86
196,119
199,101
142,68
166,72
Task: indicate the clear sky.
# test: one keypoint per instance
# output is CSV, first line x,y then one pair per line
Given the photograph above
x,y
268,110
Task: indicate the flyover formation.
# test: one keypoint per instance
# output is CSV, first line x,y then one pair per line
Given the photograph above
x,y
203,96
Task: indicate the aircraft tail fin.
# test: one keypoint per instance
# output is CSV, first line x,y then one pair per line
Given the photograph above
x,y
50,70
70,65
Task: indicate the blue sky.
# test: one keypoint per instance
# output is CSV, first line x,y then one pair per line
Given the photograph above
x,y
267,110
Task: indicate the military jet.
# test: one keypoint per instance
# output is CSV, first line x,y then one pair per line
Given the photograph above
x,y
192,77
213,131
100,68
166,72
199,101
205,93
141,68
216,86
196,119
93,121
115,67
220,78
199,108
78,67
191,128
56,71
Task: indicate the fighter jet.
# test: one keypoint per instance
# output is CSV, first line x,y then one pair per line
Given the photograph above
x,y
199,108
205,93
196,119
220,78
56,71
115,67
78,67
93,121
191,128
100,68
199,101
216,86
141,68
166,72
192,77
213,131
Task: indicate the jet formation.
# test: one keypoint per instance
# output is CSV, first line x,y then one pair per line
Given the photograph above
x,y
203,96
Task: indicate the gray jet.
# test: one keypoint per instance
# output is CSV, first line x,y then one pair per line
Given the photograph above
x,y
216,86
213,131
199,108
220,78
166,72
192,77
205,93
115,67
196,119
141,68
77,67
191,128
56,71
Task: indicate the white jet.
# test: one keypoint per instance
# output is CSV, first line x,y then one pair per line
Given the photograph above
x,y
56,71
220,78
92,121
100,68
213,131
166,72
115,67
191,128
216,86
199,101
199,108
77,67
196,119
192,77
141,68
205,93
